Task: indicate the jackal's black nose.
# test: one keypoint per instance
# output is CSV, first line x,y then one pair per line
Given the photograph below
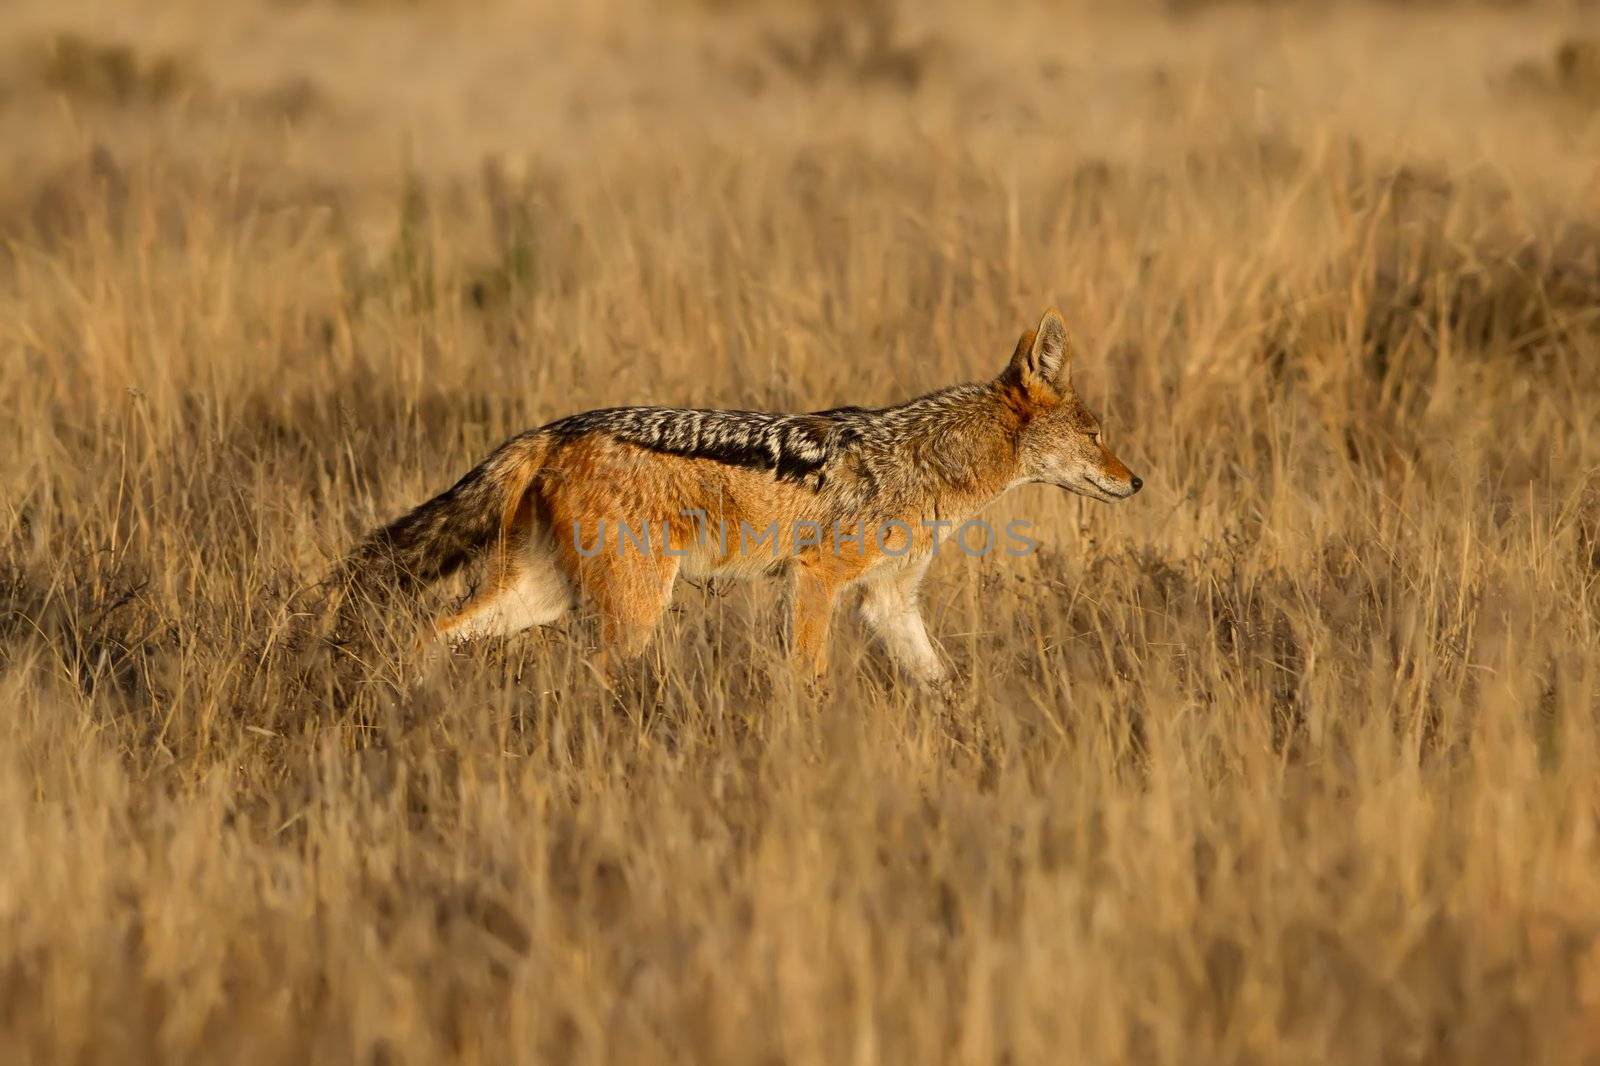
x,y
1138,483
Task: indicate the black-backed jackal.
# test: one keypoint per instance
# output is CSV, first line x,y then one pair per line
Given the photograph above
x,y
613,505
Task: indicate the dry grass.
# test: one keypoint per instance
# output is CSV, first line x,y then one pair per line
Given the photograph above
x,y
1291,759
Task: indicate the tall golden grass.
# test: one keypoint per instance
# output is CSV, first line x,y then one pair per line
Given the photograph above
x,y
1293,758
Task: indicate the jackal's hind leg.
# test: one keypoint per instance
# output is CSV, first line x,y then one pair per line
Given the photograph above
x,y
523,587
631,595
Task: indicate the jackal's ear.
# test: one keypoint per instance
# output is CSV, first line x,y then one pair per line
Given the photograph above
x,y
1041,354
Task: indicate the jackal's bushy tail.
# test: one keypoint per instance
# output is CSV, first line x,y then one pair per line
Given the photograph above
x,y
435,539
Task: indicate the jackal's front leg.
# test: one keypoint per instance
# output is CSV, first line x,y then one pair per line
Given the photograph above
x,y
814,593
890,609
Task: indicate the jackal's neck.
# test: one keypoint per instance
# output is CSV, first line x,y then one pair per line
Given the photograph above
x,y
964,439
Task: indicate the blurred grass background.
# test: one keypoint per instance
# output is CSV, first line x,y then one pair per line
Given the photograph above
x,y
1292,758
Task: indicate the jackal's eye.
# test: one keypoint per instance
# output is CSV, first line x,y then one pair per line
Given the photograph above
x,y
1094,438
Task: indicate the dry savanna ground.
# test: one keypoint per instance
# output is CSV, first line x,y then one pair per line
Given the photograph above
x,y
1292,758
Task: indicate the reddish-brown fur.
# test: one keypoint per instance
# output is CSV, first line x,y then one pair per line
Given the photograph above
x,y
944,459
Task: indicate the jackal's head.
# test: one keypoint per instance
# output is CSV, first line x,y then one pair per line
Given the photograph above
x,y
1059,439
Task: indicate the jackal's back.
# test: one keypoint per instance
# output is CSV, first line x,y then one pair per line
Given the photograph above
x,y
794,447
